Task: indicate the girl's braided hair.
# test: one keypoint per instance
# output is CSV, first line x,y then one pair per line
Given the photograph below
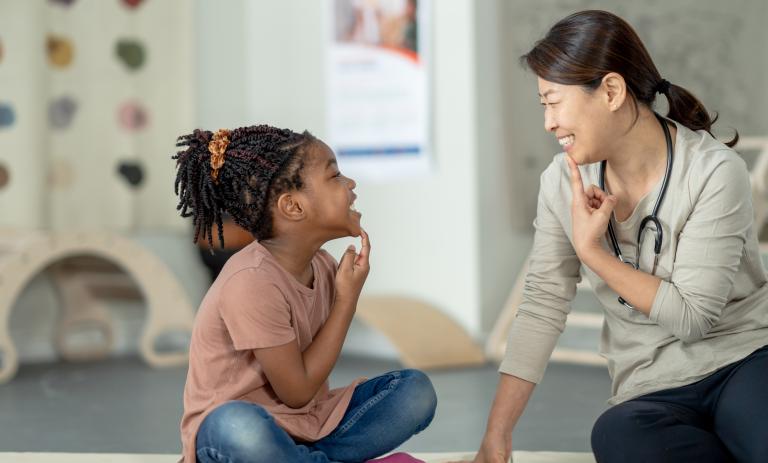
x,y
239,173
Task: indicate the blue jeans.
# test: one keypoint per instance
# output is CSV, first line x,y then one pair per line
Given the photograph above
x,y
721,418
384,412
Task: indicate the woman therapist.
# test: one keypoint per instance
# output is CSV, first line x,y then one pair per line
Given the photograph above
x,y
659,215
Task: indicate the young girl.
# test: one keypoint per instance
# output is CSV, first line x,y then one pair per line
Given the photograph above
x,y
271,326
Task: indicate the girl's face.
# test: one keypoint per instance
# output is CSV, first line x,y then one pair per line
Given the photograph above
x,y
330,194
581,121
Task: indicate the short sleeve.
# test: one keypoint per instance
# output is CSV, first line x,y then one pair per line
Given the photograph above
x,y
255,311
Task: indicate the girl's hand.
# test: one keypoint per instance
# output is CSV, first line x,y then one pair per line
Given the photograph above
x,y
352,272
590,212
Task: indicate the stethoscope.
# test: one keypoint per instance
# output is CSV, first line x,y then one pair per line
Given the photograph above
x,y
651,219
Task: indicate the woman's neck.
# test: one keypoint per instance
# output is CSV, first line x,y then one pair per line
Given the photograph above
x,y
638,161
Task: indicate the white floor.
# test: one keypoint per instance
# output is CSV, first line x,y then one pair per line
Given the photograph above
x,y
518,457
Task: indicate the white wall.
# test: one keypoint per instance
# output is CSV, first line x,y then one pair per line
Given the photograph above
x,y
449,238
22,84
220,64
505,229
424,231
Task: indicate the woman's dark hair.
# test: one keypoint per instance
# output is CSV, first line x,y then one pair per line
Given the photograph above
x,y
582,48
259,163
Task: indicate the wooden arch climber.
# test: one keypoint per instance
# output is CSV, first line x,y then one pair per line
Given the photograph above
x,y
25,254
424,337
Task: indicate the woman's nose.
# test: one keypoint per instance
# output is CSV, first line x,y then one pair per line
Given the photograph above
x,y
549,123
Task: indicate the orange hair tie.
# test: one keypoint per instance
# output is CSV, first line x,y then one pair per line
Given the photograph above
x,y
217,146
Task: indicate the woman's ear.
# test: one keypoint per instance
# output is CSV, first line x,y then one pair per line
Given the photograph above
x,y
615,90
290,206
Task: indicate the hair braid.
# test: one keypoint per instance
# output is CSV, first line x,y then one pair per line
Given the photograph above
x,y
261,162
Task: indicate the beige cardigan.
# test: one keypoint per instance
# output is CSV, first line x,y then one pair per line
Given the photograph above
x,y
712,306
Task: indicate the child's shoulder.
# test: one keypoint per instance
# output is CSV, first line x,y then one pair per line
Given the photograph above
x,y
250,264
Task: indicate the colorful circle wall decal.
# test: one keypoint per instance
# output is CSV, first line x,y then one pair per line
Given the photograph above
x,y
5,176
132,116
131,53
61,175
61,52
61,111
132,172
7,115
132,3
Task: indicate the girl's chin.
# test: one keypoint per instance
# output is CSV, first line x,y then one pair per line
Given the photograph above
x,y
355,231
355,228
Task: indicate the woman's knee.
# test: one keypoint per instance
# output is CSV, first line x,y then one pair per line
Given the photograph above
x,y
238,428
653,431
619,427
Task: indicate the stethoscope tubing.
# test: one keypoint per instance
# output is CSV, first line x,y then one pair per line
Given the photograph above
x,y
653,218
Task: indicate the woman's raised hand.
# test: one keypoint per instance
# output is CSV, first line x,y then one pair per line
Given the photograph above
x,y
590,212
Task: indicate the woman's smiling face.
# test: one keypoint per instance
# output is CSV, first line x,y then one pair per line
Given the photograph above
x,y
580,119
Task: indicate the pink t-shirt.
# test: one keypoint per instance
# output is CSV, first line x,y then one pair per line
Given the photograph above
x,y
255,303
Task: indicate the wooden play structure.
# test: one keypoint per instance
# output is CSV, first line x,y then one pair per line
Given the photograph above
x,y
84,267
424,337
88,268
497,341
78,155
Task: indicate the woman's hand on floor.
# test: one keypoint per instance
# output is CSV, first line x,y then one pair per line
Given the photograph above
x,y
497,450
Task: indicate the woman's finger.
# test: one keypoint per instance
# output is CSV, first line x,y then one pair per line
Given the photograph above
x,y
606,208
577,186
594,191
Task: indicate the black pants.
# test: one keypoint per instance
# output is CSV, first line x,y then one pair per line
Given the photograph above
x,y
721,418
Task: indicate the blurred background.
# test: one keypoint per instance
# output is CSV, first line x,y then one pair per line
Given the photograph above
x,y
428,109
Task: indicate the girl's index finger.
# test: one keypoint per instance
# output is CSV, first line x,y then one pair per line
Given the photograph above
x,y
365,248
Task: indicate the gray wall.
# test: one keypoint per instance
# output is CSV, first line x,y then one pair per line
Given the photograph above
x,y
713,48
